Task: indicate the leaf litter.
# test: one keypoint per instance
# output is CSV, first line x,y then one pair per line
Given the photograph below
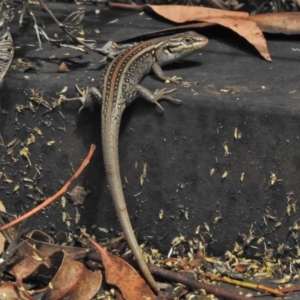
x,y
40,268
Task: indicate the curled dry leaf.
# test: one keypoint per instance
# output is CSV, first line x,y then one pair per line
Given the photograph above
x,y
27,260
72,280
123,276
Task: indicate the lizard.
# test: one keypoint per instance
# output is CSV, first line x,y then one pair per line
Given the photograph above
x,y
119,86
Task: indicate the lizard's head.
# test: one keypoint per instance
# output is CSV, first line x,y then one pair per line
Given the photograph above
x,y
179,46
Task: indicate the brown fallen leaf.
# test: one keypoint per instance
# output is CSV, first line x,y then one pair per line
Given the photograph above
x,y
182,13
72,280
123,276
284,22
27,260
247,29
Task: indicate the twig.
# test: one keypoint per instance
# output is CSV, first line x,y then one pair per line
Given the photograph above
x,y
55,196
100,250
248,285
192,283
290,289
62,26
103,51
127,6
2,144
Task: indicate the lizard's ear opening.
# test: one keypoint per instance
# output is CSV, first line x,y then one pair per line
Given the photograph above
x,y
165,55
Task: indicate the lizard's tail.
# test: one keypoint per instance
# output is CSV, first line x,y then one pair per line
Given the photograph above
x,y
110,137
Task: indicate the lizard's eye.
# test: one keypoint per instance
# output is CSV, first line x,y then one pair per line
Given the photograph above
x,y
188,40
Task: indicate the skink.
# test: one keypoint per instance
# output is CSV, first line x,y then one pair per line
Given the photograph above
x,y
119,86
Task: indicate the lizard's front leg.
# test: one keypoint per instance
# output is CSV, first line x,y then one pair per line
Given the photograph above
x,y
157,96
156,68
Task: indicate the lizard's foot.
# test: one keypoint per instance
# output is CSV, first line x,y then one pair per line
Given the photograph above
x,y
87,97
174,79
157,96
111,50
161,94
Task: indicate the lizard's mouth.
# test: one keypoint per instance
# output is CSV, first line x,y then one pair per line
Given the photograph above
x,y
168,50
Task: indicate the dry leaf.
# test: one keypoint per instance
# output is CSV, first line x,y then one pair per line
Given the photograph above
x,y
283,22
123,276
28,264
247,29
72,280
182,14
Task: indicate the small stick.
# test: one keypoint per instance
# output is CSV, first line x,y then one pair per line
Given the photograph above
x,y
63,27
100,250
195,284
248,285
56,195
290,289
